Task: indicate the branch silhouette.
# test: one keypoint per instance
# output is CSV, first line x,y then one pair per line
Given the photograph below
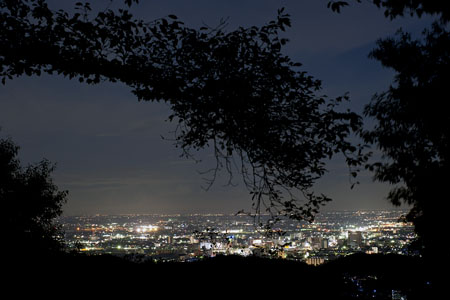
x,y
234,92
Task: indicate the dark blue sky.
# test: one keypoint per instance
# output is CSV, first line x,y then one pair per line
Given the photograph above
x,y
108,146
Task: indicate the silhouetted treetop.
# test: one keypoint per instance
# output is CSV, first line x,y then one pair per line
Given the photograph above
x,y
30,203
413,127
411,119
235,92
398,8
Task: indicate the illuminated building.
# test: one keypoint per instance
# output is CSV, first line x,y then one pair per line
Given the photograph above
x,y
315,261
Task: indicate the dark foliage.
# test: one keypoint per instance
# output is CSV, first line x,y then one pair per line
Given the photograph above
x,y
30,204
398,8
412,124
234,92
413,128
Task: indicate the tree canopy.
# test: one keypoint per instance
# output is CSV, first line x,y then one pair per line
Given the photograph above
x,y
398,8
30,203
413,127
411,120
234,92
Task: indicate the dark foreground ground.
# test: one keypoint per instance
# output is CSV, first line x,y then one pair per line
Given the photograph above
x,y
357,276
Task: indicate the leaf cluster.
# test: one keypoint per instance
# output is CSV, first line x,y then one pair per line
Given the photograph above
x,y
398,8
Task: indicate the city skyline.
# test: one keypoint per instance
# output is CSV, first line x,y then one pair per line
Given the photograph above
x,y
191,237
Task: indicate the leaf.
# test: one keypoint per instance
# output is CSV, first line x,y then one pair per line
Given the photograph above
x,y
336,5
130,2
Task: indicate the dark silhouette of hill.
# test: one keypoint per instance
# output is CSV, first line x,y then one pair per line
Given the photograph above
x,y
358,276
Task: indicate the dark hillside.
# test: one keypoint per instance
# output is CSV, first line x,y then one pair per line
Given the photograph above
x,y
352,277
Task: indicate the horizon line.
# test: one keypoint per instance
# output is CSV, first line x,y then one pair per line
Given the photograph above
x,y
220,214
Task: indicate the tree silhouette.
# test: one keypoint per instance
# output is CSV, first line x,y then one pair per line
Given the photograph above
x,y
398,8
234,92
30,203
413,128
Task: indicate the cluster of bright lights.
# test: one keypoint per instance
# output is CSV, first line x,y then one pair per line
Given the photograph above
x,y
146,228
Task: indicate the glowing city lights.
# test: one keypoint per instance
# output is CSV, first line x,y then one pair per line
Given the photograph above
x,y
165,238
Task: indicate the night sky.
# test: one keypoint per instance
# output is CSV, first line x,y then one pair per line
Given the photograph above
x,y
108,147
